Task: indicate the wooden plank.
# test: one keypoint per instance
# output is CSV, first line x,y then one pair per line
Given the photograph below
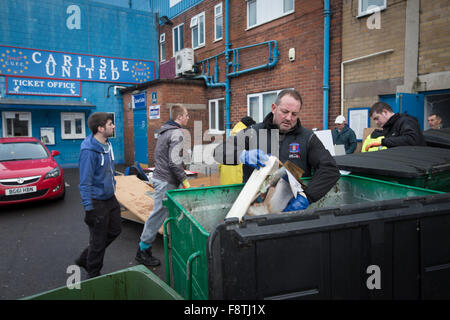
x,y
205,181
251,189
135,195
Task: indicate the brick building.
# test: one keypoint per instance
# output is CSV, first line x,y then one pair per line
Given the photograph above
x,y
399,54
262,34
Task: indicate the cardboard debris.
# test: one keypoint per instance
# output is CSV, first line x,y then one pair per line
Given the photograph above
x,y
278,196
136,196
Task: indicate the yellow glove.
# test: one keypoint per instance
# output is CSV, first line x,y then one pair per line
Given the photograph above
x,y
186,184
373,144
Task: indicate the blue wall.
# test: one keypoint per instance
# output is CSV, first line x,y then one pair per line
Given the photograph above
x,y
105,30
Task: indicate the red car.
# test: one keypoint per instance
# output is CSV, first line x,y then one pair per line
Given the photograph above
x,y
28,171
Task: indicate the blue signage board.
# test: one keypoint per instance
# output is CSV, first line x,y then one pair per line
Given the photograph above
x,y
139,101
43,87
22,62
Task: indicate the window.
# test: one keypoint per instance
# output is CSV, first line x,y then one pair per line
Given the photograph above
x,y
262,11
73,125
260,104
369,6
178,38
198,30
162,46
16,124
218,22
216,115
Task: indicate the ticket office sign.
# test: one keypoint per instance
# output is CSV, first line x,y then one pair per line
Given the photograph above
x,y
43,87
23,62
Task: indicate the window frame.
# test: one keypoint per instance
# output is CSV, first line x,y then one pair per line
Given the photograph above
x,y
261,104
181,25
4,123
257,24
197,25
73,134
216,120
162,47
216,16
368,12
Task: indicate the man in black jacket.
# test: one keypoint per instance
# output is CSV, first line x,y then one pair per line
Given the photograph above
x,y
397,129
281,134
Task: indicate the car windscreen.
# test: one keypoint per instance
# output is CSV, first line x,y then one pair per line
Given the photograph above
x,y
22,151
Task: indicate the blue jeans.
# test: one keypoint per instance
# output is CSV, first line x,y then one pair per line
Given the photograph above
x,y
159,213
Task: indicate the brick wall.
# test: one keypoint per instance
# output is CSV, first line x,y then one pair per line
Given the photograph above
x,y
301,30
434,53
190,94
364,80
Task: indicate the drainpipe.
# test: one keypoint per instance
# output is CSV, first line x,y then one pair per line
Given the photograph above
x,y
326,61
227,66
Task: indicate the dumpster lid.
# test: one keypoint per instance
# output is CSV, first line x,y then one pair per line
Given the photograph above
x,y
437,137
400,162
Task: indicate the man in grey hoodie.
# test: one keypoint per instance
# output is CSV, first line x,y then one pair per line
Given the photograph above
x,y
97,186
168,174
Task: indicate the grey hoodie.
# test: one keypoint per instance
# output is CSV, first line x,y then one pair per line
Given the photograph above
x,y
169,153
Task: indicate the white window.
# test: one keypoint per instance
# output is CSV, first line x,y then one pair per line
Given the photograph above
x,y
216,115
369,6
218,22
178,38
260,104
162,46
262,11
16,124
73,125
198,30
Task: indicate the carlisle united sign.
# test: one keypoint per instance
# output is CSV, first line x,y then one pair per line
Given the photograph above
x,y
22,62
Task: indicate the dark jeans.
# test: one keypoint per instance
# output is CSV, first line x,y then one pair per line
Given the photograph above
x,y
104,224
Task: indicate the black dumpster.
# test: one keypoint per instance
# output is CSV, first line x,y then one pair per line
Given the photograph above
x,y
437,137
393,249
424,167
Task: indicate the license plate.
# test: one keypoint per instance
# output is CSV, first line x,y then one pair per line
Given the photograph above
x,y
10,192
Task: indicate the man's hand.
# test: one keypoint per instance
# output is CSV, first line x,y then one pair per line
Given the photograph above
x,y
186,184
373,144
298,203
255,158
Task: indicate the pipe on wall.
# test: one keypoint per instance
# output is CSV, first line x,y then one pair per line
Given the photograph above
x,y
326,61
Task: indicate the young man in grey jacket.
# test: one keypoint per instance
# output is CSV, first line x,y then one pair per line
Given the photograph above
x,y
168,174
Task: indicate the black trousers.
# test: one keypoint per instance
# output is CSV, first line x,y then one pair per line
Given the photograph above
x,y
104,224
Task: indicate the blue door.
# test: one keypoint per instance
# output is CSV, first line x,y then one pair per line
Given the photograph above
x,y
140,135
412,104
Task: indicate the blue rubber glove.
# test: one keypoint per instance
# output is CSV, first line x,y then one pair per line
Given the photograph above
x,y
255,158
298,203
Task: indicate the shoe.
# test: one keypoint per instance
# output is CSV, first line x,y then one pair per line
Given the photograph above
x,y
146,258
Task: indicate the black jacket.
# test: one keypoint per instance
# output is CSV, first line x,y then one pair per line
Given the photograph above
x,y
299,145
402,130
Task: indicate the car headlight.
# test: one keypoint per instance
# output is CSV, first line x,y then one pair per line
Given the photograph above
x,y
52,173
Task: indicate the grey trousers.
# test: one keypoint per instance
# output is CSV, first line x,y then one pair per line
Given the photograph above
x,y
159,213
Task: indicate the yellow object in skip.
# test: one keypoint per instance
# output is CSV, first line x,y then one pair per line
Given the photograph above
x,y
231,174
369,140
